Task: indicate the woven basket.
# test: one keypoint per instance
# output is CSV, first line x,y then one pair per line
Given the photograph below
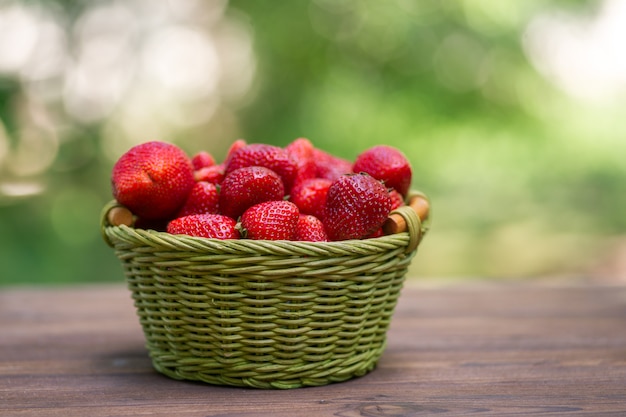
x,y
265,314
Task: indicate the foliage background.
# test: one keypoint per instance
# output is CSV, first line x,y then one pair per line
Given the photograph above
x,y
511,115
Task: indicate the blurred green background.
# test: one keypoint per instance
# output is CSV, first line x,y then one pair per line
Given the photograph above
x,y
511,113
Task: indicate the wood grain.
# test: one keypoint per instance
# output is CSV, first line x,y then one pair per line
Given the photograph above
x,y
480,350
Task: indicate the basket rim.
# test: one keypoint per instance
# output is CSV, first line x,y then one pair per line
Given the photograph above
x,y
410,239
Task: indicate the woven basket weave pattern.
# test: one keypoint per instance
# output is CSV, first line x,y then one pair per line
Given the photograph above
x,y
260,313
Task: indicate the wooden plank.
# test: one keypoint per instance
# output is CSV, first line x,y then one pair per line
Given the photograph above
x,y
487,350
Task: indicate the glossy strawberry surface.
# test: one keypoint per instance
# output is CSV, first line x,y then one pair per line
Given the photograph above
x,y
356,206
387,164
397,200
202,159
204,225
271,220
202,199
303,152
247,186
153,179
330,166
310,196
213,174
234,147
272,157
310,229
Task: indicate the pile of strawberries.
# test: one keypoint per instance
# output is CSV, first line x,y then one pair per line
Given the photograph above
x,y
261,191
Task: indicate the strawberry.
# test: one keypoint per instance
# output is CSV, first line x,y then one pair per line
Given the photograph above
x,y
396,199
310,196
387,164
310,229
301,150
204,225
202,199
273,157
330,166
213,174
247,186
234,147
356,206
201,160
270,220
153,179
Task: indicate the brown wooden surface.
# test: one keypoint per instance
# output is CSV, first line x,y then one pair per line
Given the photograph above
x,y
476,349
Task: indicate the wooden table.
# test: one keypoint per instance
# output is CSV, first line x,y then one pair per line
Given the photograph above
x,y
472,349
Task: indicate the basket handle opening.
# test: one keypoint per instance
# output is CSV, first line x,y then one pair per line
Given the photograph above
x,y
410,218
114,214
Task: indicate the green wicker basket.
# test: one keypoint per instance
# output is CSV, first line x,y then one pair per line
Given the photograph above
x,y
265,314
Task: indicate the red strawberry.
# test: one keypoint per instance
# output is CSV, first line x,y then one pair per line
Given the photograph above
x,y
356,205
301,150
203,199
247,186
310,196
213,174
153,179
202,159
273,157
301,147
310,229
387,164
396,199
271,220
234,147
204,225
330,166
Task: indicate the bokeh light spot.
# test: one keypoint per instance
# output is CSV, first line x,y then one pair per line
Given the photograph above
x,y
182,60
33,153
583,55
19,36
